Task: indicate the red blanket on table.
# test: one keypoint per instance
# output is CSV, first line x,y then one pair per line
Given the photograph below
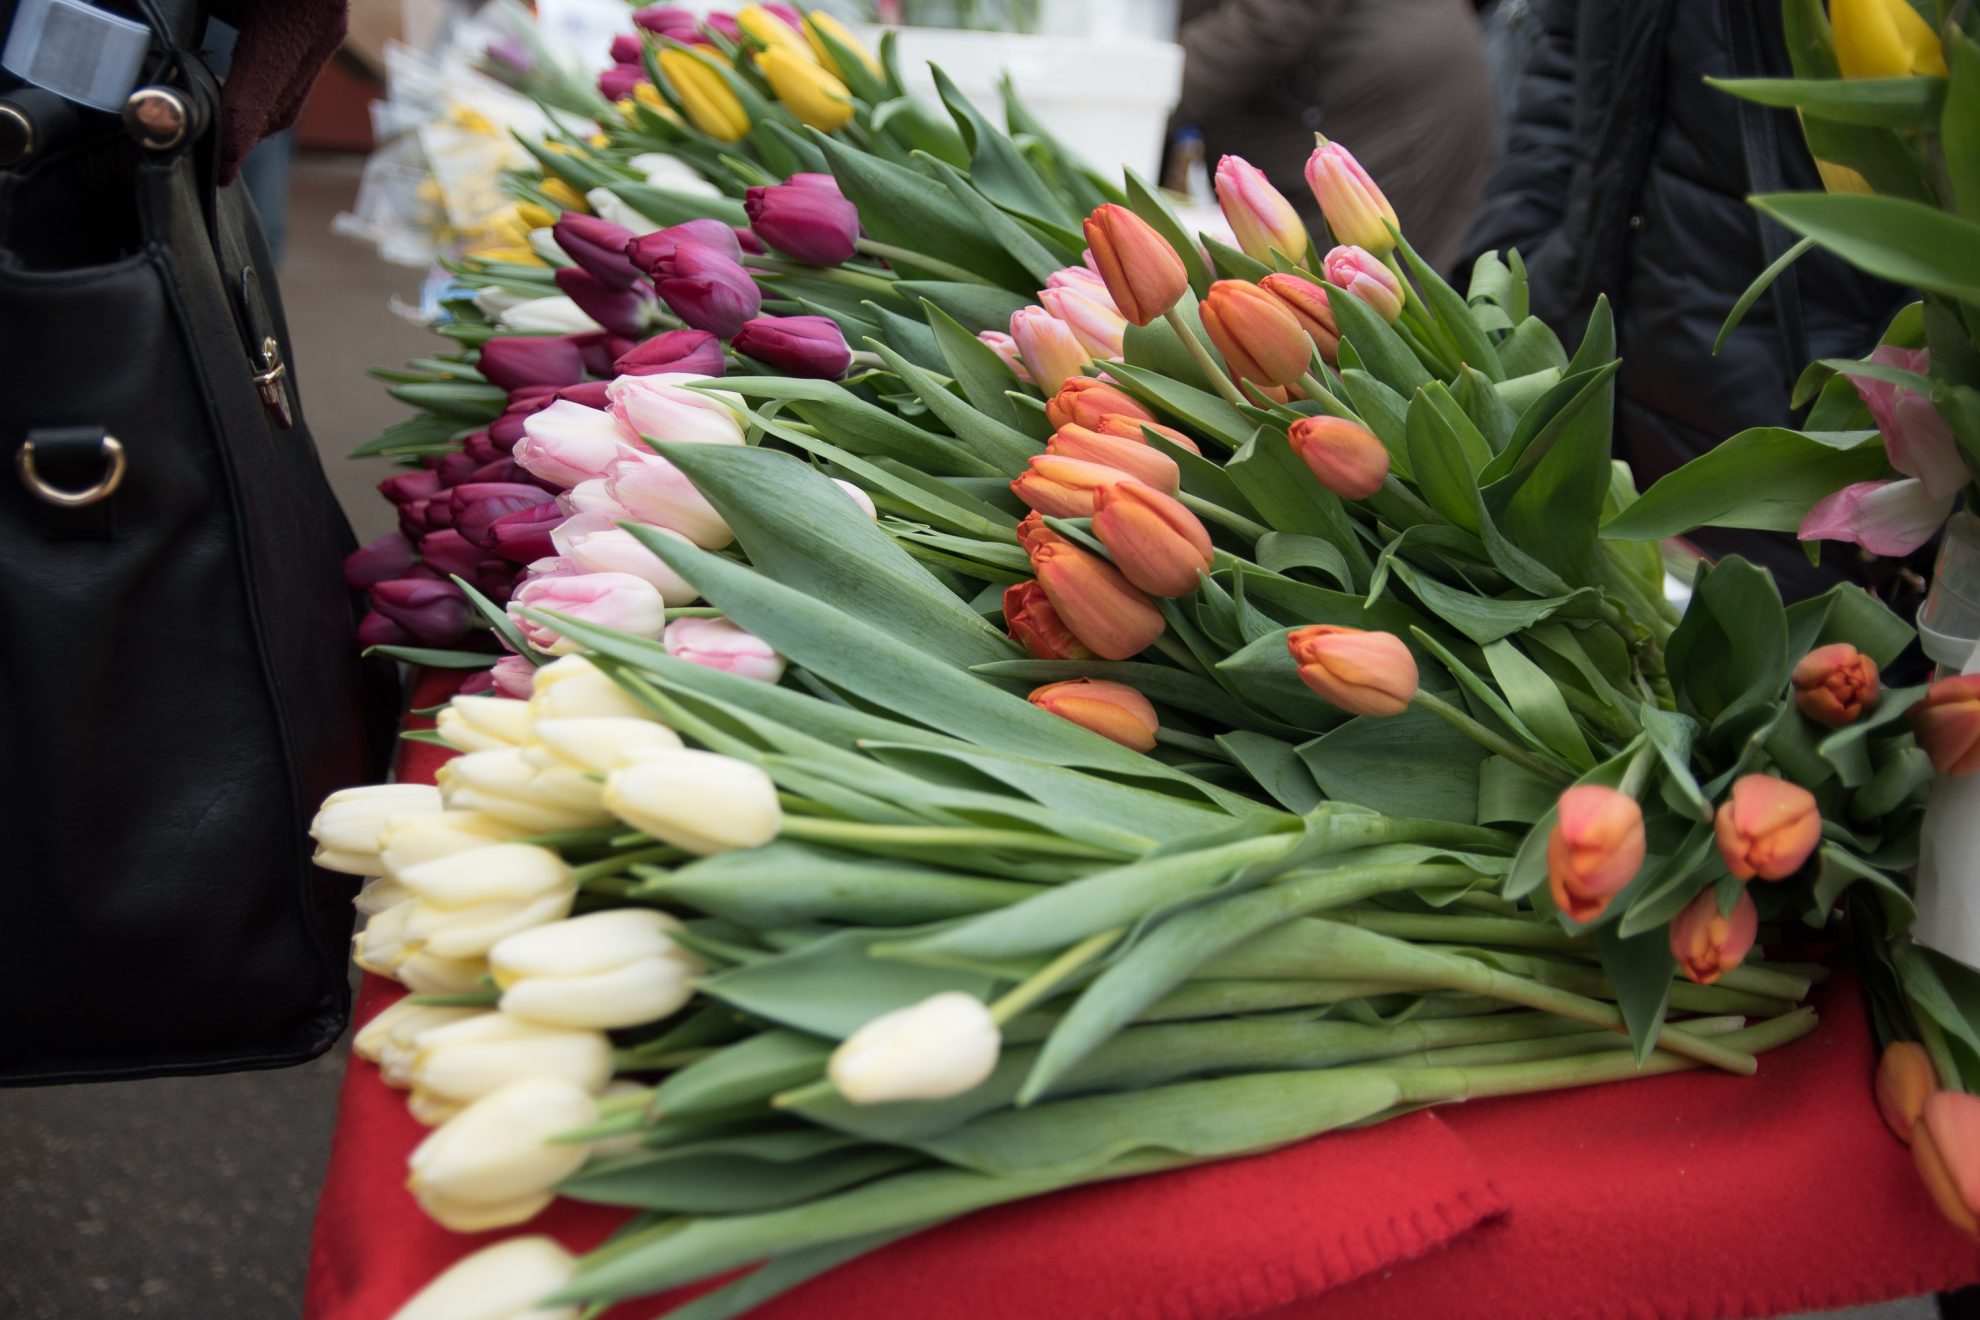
x,y
1692,1195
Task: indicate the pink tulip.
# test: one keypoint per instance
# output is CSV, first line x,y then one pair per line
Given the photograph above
x,y
513,361
623,311
659,408
390,556
567,443
807,346
1259,214
1917,439
857,496
618,81
1006,348
1884,517
1095,324
595,543
1083,279
627,49
610,600
599,246
657,492
709,290
719,644
432,612
1362,274
475,507
514,676
814,224
594,497
1050,350
666,19
655,253
672,353
1355,208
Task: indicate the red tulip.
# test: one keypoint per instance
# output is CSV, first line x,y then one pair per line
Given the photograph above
x,y
1033,624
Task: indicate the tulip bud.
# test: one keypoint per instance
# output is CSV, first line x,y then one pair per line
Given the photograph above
x,y
1905,1077
514,676
574,688
1094,323
697,801
859,497
522,537
1051,352
767,31
1884,39
709,290
1343,456
1108,614
466,901
1767,827
1945,1145
378,893
656,253
609,600
384,949
505,784
348,824
1033,624
409,840
818,99
555,314
1261,341
1596,848
819,25
482,724
1133,456
1158,545
1122,426
658,407
811,347
390,556
1356,211
593,544
1947,724
1063,487
619,81
1364,673
596,744
710,105
1834,684
720,644
1144,275
655,491
432,613
1308,304
567,443
494,1163
672,353
512,362
943,1046
1258,213
814,225
1706,943
456,1064
598,247
1087,401
602,971
387,1040
1115,711
1364,275
1006,348
476,506
506,1281
622,311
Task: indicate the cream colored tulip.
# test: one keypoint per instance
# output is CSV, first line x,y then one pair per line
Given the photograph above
x,y
700,801
384,948
454,1065
467,901
380,892
347,826
503,1282
596,743
940,1047
387,1040
483,724
494,1164
408,841
616,968
501,783
574,688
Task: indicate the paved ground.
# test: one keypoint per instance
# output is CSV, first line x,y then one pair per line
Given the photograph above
x,y
191,1199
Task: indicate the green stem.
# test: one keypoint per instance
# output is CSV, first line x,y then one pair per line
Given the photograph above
x,y
618,862
820,830
1310,385
1210,511
1458,928
693,612
465,999
1047,979
934,265
1487,739
1205,363
851,279
1638,772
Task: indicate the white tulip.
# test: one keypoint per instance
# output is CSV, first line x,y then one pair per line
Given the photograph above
x,y
673,174
543,241
700,801
492,300
556,315
502,1282
616,968
501,783
608,205
380,892
940,1047
387,1040
467,901
481,724
427,973
410,841
347,826
455,1065
385,948
597,743
572,687
493,1164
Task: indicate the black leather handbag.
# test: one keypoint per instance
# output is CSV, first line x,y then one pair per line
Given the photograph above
x,y
179,677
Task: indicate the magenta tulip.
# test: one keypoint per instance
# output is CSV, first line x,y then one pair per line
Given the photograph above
x,y
797,345
450,554
673,353
524,536
432,612
599,246
627,49
420,484
590,394
374,629
1884,517
667,19
620,311
802,220
600,350
654,253
710,290
390,556
476,507
514,361
617,82
482,449
1917,439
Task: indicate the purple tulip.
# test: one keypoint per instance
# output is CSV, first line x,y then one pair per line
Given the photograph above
x,y
504,469
726,25
514,361
654,253
664,18
514,676
374,629
510,53
591,393
413,522
390,556
747,240
599,246
620,310
814,225
796,345
476,507
481,449
481,683
790,15
618,82
709,290
627,49
420,484
600,350
430,611
524,536
454,469
813,179
674,352
505,430
450,554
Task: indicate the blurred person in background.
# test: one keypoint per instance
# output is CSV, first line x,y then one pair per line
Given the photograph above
x,y
1401,83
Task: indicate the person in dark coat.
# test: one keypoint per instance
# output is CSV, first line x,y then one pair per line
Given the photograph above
x,y
1625,174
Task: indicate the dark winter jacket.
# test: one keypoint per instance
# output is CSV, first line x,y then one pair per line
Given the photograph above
x,y
1625,174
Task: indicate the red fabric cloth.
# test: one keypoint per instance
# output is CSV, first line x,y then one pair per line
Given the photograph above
x,y
1694,1195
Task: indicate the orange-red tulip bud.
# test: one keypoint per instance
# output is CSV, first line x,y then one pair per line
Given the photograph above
x,y
1115,711
1084,400
1708,944
1142,272
1159,545
1105,611
1033,624
1062,487
1945,1144
1905,1078
1260,340
1834,684
1947,724
1132,455
1362,672
1307,302
1343,456
1129,428
1595,849
1767,827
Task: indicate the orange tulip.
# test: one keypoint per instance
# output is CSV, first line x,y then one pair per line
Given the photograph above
x,y
1307,302
1362,672
1084,400
1115,711
1945,1144
1158,544
1905,1077
1767,827
1063,487
1343,456
1947,724
1706,943
1132,455
1833,684
1104,610
1129,428
1033,624
1142,272
1595,849
1261,341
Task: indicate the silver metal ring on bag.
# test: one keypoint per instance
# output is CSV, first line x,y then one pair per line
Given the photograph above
x,y
113,477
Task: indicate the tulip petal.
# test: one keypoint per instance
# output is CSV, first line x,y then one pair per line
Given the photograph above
x,y
1884,517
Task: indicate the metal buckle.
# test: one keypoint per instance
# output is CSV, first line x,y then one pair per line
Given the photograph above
x,y
113,477
274,394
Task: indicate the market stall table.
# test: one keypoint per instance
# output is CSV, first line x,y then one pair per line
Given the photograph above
x,y
1691,1195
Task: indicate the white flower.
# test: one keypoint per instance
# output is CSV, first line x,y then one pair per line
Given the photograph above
x,y
493,1164
384,948
503,784
673,174
597,743
481,724
501,1282
454,1065
573,687
616,968
556,315
942,1046
388,1039
347,827
465,902
380,892
700,801
608,205
408,841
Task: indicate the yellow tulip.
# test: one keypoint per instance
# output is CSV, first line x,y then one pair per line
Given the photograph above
x,y
565,196
1884,39
807,91
648,95
530,216
818,26
707,99
771,32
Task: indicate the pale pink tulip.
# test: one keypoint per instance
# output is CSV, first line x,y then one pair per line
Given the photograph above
x,y
594,496
568,443
593,543
1884,517
858,496
1050,349
1095,324
515,676
658,408
610,600
657,492
1917,439
1006,348
1259,214
719,644
1364,275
